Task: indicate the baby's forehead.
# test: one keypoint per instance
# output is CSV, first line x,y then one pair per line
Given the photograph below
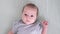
x,y
30,9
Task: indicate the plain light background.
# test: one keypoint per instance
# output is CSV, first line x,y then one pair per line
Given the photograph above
x,y
10,11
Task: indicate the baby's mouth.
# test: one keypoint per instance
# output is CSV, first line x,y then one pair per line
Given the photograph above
x,y
27,20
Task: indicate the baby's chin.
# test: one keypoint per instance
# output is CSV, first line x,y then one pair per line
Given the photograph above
x,y
28,23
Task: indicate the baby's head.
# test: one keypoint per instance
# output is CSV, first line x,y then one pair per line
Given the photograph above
x,y
29,13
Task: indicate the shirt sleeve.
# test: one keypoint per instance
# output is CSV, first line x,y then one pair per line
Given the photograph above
x,y
14,27
40,28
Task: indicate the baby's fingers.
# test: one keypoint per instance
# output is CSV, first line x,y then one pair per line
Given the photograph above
x,y
45,22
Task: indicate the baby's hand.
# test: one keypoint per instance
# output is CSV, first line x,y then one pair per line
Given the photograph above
x,y
45,24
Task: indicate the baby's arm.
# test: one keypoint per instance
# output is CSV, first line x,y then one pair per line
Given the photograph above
x,y
45,27
10,32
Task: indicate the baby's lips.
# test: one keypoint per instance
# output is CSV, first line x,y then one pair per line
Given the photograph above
x,y
27,20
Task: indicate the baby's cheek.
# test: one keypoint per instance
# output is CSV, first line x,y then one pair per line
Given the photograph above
x,y
32,19
24,18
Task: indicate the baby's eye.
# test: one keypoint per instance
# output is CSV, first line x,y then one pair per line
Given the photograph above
x,y
31,15
25,14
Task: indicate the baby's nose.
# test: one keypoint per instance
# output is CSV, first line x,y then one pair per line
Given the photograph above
x,y
28,17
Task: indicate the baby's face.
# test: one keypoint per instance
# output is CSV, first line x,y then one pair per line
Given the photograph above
x,y
29,15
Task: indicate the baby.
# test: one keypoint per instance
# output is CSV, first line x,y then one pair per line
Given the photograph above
x,y
29,23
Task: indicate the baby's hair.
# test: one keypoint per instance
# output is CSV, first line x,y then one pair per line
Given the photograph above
x,y
32,6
